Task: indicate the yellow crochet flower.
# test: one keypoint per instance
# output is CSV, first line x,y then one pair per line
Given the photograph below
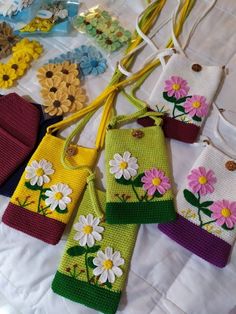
x,y
26,47
18,66
71,80
57,103
77,97
7,76
68,68
52,86
38,24
48,71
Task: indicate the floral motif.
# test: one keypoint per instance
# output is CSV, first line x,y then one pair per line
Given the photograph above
x,y
52,86
196,105
155,181
57,103
18,66
201,181
7,39
224,212
38,172
7,76
108,265
77,97
123,166
58,196
88,230
48,71
176,86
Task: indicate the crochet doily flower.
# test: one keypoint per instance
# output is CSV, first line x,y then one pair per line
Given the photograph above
x,y
68,69
121,35
155,181
77,97
38,172
176,87
7,76
109,44
201,181
224,212
108,265
52,86
196,105
19,66
48,71
88,230
58,196
57,103
70,80
7,39
125,166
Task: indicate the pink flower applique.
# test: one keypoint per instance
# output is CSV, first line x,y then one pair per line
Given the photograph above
x,y
176,86
196,105
155,181
224,212
201,181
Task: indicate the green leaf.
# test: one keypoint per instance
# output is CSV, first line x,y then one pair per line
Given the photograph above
x,y
206,211
44,197
157,194
206,204
76,250
108,284
123,181
191,198
226,228
33,187
90,262
180,108
168,98
60,211
137,181
93,249
196,118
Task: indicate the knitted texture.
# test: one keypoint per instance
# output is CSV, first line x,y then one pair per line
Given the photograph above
x,y
10,184
184,92
138,177
19,122
48,189
207,209
94,267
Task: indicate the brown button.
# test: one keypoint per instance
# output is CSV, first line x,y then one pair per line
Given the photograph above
x,y
230,165
196,67
137,133
71,151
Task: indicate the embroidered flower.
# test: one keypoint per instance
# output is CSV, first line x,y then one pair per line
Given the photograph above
x,y
155,181
88,230
58,196
57,103
196,105
38,172
7,76
52,86
201,181
176,87
125,166
224,212
108,265
77,97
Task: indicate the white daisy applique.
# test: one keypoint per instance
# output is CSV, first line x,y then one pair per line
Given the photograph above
x,y
38,172
58,196
108,265
88,230
125,166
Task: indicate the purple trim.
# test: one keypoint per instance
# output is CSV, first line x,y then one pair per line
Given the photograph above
x,y
197,240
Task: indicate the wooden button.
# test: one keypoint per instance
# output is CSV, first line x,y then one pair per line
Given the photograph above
x,y
71,151
137,133
196,67
230,165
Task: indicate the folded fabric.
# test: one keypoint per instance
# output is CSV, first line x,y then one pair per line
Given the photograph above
x,y
206,206
19,122
95,264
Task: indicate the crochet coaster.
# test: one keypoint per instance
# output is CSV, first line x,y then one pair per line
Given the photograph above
x,y
19,122
95,264
207,208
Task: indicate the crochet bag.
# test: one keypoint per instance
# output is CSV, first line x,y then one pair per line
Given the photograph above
x,y
48,191
206,206
137,173
95,263
19,122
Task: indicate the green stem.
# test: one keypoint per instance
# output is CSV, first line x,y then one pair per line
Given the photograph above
x,y
209,222
180,115
39,201
173,111
43,209
136,193
86,264
199,210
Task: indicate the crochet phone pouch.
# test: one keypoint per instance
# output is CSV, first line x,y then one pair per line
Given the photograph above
x,y
206,208
19,122
137,173
94,266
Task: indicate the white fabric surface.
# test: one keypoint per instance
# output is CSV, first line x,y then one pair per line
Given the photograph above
x,y
164,277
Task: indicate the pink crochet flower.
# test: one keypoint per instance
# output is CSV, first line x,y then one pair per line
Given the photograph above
x,y
224,212
177,87
196,105
155,180
201,181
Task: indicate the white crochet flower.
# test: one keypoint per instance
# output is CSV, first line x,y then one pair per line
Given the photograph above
x,y
108,265
58,196
125,166
88,230
38,172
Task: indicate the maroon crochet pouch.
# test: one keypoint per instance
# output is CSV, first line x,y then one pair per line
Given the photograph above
x,y
19,122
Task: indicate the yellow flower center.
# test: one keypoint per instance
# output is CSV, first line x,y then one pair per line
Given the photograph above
x,y
156,181
123,165
87,229
58,196
225,212
196,104
107,264
39,172
202,180
176,86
